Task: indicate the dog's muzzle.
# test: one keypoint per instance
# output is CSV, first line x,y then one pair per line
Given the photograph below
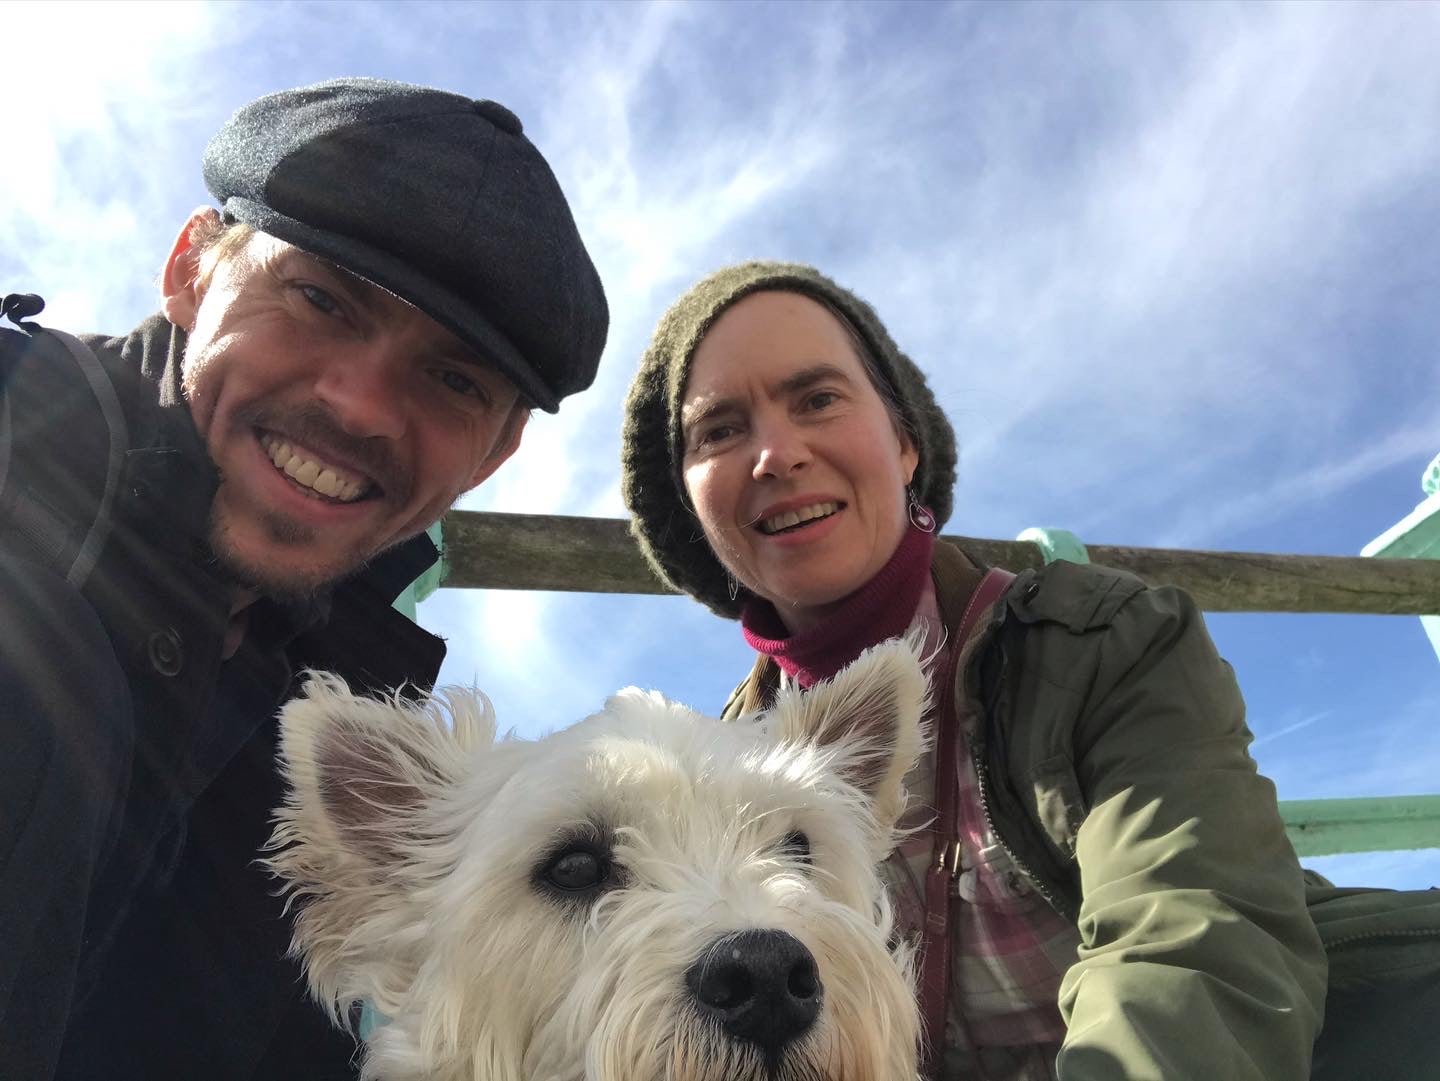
x,y
758,986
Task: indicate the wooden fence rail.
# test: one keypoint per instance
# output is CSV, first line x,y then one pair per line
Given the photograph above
x,y
597,555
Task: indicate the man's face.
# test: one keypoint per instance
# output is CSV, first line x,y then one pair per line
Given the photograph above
x,y
342,420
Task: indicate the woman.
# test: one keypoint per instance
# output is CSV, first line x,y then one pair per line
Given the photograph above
x,y
1125,903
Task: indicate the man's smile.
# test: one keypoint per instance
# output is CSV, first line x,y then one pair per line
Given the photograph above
x,y
314,472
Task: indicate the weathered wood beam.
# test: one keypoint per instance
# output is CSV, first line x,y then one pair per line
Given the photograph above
x,y
597,555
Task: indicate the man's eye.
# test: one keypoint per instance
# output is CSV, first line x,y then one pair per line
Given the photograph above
x,y
319,299
459,383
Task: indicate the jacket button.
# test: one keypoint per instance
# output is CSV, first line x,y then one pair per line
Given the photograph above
x,y
166,656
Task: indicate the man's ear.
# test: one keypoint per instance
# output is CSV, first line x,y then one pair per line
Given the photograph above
x,y
180,284
868,717
506,444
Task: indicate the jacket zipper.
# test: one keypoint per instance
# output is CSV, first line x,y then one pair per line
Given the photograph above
x,y
982,781
1350,940
1020,864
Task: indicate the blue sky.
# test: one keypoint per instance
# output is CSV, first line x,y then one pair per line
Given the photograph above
x,y
1171,269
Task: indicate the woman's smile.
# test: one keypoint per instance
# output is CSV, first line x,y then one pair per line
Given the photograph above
x,y
790,521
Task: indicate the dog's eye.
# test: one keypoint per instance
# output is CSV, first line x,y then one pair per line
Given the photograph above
x,y
575,870
796,846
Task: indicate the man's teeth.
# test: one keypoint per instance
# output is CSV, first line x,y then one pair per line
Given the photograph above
x,y
795,517
312,474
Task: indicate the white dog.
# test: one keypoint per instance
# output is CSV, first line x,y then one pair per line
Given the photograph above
x,y
650,895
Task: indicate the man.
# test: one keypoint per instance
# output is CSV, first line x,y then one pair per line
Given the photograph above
x,y
352,341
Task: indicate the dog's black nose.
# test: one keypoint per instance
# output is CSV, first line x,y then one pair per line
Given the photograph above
x,y
759,986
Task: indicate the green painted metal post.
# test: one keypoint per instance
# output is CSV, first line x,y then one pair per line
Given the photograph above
x,y
1056,544
1416,536
428,582
1327,827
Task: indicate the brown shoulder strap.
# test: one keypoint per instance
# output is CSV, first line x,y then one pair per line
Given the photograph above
x,y
956,576
945,863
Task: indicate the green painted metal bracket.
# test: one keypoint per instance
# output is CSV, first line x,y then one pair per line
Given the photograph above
x,y
1416,536
1327,827
1056,544
370,1020
411,596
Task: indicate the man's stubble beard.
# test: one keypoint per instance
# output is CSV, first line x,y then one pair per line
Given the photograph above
x,y
312,423
298,587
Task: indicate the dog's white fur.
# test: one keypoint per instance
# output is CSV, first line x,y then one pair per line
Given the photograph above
x,y
415,843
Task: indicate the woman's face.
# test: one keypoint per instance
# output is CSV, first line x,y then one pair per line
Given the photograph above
x,y
793,463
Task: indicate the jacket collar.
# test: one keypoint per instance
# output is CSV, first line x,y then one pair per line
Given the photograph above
x,y
157,348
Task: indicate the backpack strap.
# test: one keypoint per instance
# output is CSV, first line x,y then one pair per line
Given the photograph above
x,y
4,440
16,307
25,511
104,390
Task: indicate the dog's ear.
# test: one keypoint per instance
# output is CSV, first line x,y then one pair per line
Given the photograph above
x,y
363,824
869,717
362,771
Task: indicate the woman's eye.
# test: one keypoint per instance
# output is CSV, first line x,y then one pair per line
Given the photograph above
x,y
822,399
319,299
716,434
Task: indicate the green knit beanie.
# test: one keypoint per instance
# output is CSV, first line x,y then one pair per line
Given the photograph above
x,y
652,450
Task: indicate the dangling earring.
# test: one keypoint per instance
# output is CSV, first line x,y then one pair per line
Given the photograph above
x,y
920,516
731,585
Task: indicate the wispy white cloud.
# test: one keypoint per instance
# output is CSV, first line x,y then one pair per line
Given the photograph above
x,y
1290,729
658,201
99,99
1311,483
1133,267
1375,741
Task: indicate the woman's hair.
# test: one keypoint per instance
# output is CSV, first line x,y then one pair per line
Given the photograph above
x,y
878,379
652,448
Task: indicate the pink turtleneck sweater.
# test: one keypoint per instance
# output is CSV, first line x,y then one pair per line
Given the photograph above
x,y
882,608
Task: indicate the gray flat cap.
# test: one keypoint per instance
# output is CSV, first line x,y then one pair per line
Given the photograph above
x,y
437,198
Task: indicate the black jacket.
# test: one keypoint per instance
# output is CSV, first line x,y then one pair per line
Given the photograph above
x,y
183,971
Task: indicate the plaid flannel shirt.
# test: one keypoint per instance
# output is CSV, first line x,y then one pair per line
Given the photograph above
x,y
1009,947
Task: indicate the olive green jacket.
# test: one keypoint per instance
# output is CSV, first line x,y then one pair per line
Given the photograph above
x,y
1112,755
